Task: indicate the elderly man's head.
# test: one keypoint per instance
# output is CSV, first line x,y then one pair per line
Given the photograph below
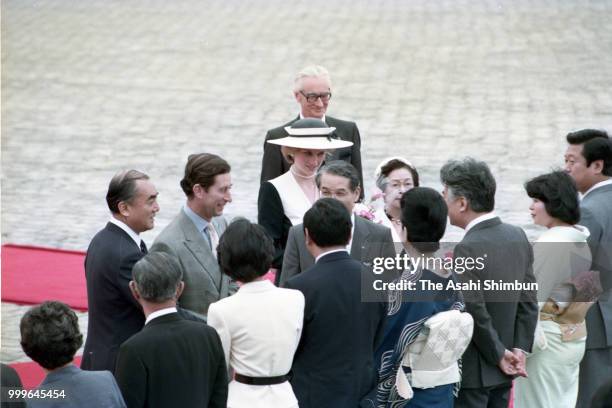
x,y
50,334
312,90
339,179
157,278
469,189
132,198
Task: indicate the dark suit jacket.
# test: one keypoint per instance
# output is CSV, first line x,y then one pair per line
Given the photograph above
x,y
274,164
502,320
81,389
370,241
333,365
596,215
173,362
10,379
114,314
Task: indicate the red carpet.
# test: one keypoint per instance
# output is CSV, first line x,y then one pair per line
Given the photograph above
x,y
32,374
31,275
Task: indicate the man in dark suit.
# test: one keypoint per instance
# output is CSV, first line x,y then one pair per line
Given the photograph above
x,y
312,91
114,315
588,160
172,362
333,365
504,321
193,235
339,179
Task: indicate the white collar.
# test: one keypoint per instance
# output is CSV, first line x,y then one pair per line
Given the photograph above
x,y
597,185
133,234
160,312
323,118
330,252
479,219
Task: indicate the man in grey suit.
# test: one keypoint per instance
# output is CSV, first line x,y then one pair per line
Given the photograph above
x,y
588,160
340,180
504,321
193,235
50,336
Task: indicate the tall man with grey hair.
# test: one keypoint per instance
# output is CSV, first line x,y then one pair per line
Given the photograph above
x,y
312,90
172,361
114,315
340,180
504,321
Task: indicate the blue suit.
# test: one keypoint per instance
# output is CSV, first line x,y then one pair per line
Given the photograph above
x,y
91,389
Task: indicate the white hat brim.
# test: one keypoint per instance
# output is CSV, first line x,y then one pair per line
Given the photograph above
x,y
318,143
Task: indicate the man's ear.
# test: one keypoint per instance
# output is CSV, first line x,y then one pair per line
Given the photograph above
x,y
463,204
179,290
307,238
597,166
134,290
123,208
357,193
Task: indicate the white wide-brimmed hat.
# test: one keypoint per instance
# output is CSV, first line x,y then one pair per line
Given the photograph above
x,y
310,133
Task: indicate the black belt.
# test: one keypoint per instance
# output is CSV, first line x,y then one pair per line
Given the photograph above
x,y
245,379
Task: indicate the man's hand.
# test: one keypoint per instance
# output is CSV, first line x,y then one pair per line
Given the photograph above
x,y
521,366
508,363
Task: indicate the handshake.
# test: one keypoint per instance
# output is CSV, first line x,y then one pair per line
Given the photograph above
x,y
513,363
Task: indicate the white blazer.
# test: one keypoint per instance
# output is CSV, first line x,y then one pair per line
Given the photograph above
x,y
260,328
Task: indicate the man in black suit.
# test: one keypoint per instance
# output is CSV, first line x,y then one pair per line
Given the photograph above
x,y
114,315
333,365
172,362
340,180
312,91
588,160
504,321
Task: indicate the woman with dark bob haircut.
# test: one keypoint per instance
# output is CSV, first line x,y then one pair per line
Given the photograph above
x,y
430,384
50,336
258,348
560,253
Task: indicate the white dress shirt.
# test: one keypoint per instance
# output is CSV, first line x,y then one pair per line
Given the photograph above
x,y
478,220
161,312
133,234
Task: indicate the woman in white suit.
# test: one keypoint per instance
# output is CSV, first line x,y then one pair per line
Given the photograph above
x,y
260,325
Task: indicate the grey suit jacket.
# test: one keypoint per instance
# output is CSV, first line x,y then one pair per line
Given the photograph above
x,y
95,389
502,320
370,241
596,215
204,282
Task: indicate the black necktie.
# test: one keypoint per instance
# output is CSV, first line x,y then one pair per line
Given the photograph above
x,y
143,247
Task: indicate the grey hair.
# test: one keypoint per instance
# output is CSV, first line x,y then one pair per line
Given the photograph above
x,y
157,276
339,168
122,187
471,179
311,71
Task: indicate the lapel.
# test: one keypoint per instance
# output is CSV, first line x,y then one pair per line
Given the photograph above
x,y
195,243
360,238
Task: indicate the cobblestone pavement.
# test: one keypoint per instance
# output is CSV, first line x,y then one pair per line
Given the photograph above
x,y
92,87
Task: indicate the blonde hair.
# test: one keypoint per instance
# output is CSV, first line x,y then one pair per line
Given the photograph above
x,y
311,71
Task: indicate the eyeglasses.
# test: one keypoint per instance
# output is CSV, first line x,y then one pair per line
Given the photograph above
x,y
312,97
